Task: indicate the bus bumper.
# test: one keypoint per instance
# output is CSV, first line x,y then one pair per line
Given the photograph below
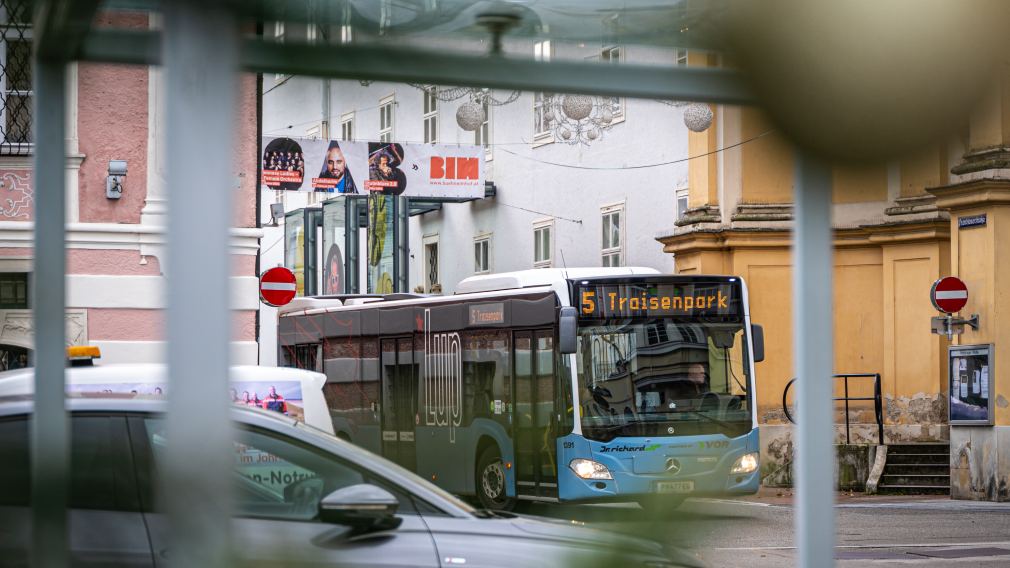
x,y
695,466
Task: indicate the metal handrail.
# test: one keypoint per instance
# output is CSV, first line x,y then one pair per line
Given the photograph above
x,y
878,405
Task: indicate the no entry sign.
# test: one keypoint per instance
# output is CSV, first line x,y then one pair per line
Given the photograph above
x,y
949,294
277,286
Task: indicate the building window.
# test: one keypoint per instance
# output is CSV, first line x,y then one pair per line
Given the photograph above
x,y
16,77
431,277
346,33
347,126
279,34
681,57
386,119
430,115
385,15
482,254
482,136
541,122
542,51
543,233
14,291
681,202
614,55
612,246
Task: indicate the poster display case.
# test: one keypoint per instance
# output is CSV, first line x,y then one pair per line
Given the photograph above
x,y
971,373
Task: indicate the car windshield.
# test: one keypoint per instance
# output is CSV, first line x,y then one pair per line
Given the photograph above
x,y
663,376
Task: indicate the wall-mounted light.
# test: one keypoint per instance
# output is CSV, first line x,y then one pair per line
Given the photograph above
x,y
114,183
276,213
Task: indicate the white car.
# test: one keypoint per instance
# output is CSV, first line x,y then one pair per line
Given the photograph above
x,y
302,497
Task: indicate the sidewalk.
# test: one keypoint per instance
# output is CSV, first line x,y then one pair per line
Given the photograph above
x,y
785,496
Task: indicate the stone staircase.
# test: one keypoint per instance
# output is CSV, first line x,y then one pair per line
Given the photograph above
x,y
916,469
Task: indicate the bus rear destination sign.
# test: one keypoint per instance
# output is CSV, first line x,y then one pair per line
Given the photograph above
x,y
603,301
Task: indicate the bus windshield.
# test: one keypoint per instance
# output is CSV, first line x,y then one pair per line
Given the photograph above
x,y
663,377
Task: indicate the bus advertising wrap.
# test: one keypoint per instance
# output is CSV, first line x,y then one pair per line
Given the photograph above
x,y
392,168
622,300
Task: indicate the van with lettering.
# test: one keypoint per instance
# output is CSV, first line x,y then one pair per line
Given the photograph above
x,y
296,393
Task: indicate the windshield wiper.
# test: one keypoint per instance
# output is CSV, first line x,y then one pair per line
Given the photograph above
x,y
723,424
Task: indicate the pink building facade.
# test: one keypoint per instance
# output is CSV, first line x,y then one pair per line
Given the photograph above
x,y
115,247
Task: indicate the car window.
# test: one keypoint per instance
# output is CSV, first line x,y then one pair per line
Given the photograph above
x,y
279,477
421,506
101,469
14,471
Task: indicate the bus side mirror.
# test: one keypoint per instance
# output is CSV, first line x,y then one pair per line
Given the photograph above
x,y
758,339
567,330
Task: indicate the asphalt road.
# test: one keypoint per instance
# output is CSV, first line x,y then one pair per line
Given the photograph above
x,y
871,531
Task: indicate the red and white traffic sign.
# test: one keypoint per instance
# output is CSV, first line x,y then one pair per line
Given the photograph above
x,y
277,286
949,294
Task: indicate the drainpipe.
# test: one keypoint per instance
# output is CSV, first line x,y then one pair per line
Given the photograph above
x,y
324,126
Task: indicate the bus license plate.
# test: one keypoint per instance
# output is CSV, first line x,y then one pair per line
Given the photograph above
x,y
675,487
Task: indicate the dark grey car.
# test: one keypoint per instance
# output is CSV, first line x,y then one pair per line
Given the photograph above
x,y
303,497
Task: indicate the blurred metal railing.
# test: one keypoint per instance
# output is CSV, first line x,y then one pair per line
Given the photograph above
x,y
878,406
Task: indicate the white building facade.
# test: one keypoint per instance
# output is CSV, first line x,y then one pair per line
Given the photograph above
x,y
556,203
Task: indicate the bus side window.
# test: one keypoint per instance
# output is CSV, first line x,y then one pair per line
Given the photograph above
x,y
370,388
487,376
306,356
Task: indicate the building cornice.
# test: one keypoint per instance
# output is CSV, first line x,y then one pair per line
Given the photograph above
x,y
726,239
974,193
19,234
699,215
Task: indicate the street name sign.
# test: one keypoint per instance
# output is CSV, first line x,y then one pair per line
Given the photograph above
x,y
277,286
949,294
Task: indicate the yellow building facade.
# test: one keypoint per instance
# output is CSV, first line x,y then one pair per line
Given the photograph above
x,y
896,232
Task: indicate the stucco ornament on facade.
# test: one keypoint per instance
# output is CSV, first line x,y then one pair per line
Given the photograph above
x,y
16,195
16,327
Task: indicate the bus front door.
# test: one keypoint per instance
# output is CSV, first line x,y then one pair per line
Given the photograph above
x,y
399,401
535,415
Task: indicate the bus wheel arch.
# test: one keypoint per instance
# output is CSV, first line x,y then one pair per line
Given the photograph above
x,y
489,476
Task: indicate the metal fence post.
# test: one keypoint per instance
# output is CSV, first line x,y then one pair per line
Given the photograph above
x,y
200,57
49,426
812,329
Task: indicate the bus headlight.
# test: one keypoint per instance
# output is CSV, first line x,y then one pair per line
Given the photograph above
x,y
746,463
588,469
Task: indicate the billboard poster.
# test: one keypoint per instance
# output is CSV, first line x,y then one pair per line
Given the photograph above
x,y
380,244
392,168
294,249
334,237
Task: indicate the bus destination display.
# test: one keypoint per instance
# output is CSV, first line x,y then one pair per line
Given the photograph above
x,y
603,301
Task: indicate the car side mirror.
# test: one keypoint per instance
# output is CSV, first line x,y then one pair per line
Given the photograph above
x,y
758,339
568,330
363,507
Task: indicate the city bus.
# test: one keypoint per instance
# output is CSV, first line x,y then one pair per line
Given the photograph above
x,y
571,385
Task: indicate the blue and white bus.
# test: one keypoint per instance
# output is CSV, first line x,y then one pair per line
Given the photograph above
x,y
593,384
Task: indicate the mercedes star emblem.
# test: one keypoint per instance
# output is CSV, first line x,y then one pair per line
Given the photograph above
x,y
672,465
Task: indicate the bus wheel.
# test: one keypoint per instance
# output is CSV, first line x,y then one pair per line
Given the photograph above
x,y
491,481
661,505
